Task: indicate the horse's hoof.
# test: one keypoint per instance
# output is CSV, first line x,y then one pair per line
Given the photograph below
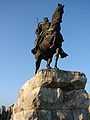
x,y
56,68
35,72
48,67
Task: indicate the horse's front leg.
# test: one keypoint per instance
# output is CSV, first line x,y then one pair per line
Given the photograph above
x,y
48,63
38,61
57,56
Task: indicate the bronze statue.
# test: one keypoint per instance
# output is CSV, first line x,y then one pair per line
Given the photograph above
x,y
49,39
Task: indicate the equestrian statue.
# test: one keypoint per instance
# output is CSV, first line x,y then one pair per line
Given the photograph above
x,y
49,39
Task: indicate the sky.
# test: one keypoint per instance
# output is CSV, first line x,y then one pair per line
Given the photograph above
x,y
18,21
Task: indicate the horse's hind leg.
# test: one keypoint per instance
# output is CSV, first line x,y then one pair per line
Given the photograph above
x,y
37,64
48,63
57,56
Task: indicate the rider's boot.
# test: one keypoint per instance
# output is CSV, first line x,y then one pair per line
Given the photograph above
x,y
34,50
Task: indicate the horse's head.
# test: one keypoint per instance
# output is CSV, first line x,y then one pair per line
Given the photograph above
x,y
58,13
60,8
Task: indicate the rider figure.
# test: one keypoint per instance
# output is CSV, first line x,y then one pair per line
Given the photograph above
x,y
40,32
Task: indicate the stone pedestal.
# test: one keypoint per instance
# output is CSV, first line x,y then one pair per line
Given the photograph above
x,y
53,95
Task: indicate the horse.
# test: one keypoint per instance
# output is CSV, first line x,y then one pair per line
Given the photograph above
x,y
51,41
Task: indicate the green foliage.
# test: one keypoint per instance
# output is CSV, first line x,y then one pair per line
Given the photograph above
x,y
89,116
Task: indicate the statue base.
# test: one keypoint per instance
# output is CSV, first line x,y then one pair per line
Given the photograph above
x,y
53,95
